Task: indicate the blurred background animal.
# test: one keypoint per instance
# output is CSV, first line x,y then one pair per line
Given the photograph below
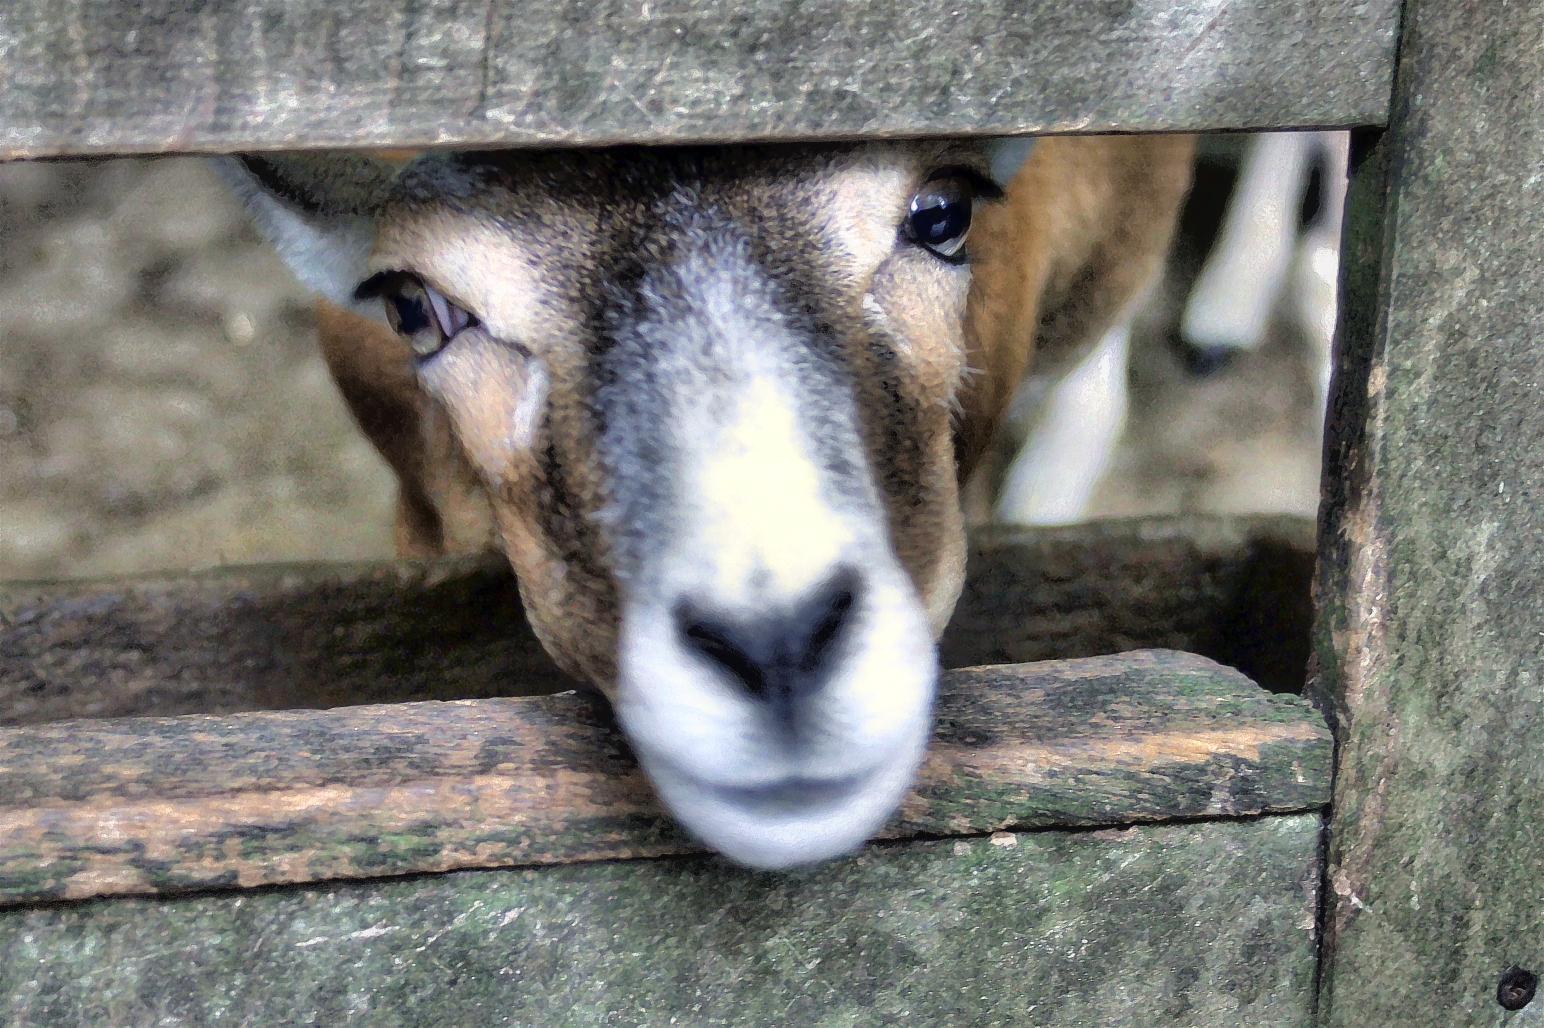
x,y
1210,395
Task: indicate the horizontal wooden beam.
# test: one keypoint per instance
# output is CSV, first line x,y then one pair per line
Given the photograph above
x,y
1236,589
1206,925
104,76
264,638
91,808
267,638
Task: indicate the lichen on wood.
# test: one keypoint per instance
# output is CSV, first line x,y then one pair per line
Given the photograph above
x,y
1430,637
91,808
1203,925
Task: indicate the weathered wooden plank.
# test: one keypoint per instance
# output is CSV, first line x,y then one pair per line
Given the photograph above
x,y
1431,635
1230,588
163,804
263,638
1203,925
1235,589
102,76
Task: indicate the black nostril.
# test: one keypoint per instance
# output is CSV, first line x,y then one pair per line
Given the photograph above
x,y
780,655
828,617
717,641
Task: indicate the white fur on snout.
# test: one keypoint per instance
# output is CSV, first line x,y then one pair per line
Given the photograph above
x,y
759,531
704,743
761,521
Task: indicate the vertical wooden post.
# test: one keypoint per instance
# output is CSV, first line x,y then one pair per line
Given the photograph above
x,y
1431,598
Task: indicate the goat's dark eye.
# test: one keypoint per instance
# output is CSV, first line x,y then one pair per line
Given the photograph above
x,y
417,312
409,312
940,217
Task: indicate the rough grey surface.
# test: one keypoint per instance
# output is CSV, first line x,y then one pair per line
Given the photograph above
x,y
1231,588
271,637
1188,925
101,76
1431,631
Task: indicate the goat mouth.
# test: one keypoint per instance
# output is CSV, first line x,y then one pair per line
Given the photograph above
x,y
788,821
790,796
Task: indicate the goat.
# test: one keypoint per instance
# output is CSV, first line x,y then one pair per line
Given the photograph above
x,y
714,404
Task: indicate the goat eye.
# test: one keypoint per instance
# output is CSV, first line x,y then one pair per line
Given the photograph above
x,y
420,315
939,219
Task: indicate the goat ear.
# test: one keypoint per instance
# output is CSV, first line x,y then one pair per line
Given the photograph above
x,y
318,210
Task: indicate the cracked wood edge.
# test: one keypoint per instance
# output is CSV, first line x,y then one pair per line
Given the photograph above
x,y
1430,633
153,805
102,76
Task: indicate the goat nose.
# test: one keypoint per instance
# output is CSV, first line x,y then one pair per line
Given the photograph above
x,y
778,656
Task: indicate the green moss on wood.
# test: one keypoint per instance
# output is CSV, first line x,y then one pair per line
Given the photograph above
x,y
1199,925
1431,634
170,804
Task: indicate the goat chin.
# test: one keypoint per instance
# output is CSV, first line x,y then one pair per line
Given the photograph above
x,y
799,823
775,790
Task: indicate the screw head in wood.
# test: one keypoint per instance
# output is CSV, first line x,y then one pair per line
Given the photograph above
x,y
1516,988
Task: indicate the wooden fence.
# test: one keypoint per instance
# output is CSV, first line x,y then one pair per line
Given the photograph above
x,y
1139,839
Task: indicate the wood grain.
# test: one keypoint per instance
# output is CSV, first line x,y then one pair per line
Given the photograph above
x,y
103,76
137,805
1430,638
1234,589
1205,925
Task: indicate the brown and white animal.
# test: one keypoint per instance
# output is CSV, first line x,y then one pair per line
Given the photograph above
x,y
715,405
1270,269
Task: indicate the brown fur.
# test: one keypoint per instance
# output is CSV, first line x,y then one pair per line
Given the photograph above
x,y
1082,229
442,507
1079,233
